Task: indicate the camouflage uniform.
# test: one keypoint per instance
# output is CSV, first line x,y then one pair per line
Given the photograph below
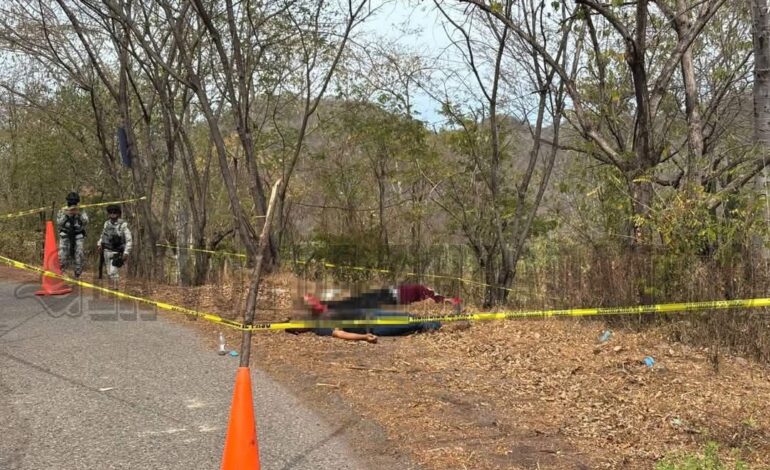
x,y
115,241
71,231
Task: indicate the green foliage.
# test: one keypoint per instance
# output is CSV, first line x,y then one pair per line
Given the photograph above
x,y
355,249
708,460
685,223
688,226
22,244
47,150
369,156
597,203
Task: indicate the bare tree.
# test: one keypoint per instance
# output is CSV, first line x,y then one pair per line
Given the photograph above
x,y
258,49
633,133
80,40
496,217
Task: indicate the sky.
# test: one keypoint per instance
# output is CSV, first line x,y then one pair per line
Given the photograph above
x,y
415,25
419,26
391,17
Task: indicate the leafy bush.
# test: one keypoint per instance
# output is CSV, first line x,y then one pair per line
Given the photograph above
x,y
22,245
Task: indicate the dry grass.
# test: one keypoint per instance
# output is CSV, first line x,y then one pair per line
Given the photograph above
x,y
523,394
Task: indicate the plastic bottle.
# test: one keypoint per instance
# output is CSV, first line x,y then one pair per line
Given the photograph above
x,y
604,337
649,361
221,351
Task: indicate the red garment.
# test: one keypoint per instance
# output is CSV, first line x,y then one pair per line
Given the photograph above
x,y
409,293
403,295
316,307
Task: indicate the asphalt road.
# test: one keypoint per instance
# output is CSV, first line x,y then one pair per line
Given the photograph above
x,y
86,385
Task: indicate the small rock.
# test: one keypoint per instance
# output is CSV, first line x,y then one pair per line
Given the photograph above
x,y
617,349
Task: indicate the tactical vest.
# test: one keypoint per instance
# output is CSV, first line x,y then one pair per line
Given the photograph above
x,y
113,236
72,226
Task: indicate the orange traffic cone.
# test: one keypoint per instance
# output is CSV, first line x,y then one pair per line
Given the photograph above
x,y
51,285
241,449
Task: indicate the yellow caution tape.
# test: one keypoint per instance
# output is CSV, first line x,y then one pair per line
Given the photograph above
x,y
102,204
578,312
406,319
355,268
435,276
122,295
23,213
13,215
222,253
209,316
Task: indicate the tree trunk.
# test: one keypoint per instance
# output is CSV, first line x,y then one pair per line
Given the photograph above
x,y
487,264
183,242
761,20
761,29
692,101
202,259
147,238
641,199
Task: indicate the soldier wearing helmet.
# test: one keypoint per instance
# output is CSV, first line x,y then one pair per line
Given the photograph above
x,y
71,222
115,243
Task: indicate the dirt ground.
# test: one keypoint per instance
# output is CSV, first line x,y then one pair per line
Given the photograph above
x,y
525,394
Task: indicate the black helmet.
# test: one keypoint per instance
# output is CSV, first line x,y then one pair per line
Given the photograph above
x,y
114,209
73,199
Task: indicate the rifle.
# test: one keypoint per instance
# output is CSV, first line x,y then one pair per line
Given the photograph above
x,y
101,263
71,235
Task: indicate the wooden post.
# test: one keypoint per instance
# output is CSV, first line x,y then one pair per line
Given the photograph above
x,y
251,299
